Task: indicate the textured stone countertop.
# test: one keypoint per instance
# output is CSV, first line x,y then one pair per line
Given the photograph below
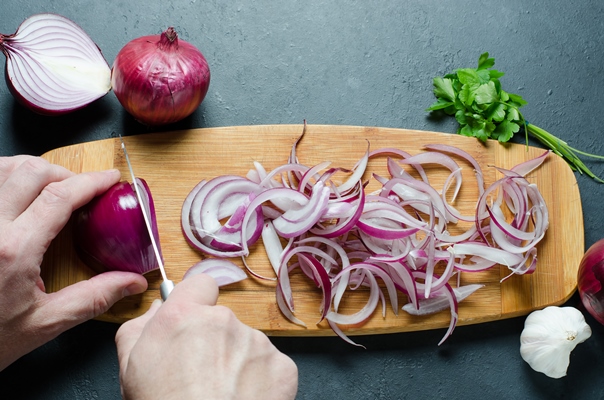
x,y
353,63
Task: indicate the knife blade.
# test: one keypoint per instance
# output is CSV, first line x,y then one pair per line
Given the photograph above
x,y
167,285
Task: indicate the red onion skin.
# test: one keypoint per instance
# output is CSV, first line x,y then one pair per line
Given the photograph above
x,y
590,280
160,79
110,232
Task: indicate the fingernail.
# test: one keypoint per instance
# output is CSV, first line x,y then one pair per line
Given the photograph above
x,y
191,272
112,171
154,307
134,288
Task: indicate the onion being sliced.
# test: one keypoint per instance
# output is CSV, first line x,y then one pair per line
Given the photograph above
x,y
110,232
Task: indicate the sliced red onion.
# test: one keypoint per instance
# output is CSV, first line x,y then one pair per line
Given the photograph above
x,y
400,235
345,221
403,154
310,174
223,271
272,245
463,154
527,167
433,157
296,222
439,301
52,66
322,280
497,256
359,171
364,313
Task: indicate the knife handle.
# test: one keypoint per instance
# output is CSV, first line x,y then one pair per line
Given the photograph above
x,y
165,288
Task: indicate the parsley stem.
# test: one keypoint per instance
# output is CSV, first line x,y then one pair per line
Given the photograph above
x,y
565,151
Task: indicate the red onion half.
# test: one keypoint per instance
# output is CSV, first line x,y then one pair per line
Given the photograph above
x,y
52,65
160,79
110,231
591,280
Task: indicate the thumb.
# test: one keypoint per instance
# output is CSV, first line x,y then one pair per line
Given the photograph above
x,y
88,299
129,333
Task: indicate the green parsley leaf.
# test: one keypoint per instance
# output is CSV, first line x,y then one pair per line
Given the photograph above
x,y
484,62
440,105
468,76
443,89
486,94
505,130
516,99
485,111
496,112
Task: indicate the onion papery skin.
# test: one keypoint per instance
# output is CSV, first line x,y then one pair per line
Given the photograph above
x,y
52,66
160,79
590,280
111,234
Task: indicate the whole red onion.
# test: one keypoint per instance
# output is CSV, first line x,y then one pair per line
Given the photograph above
x,y
591,280
160,79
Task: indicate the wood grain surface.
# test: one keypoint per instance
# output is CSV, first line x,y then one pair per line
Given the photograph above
x,y
172,163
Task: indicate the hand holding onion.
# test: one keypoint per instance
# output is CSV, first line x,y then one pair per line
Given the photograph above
x,y
34,193
189,348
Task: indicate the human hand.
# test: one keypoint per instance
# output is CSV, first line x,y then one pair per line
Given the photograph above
x,y
36,201
190,348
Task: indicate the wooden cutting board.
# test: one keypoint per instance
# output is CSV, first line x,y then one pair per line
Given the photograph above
x,y
172,163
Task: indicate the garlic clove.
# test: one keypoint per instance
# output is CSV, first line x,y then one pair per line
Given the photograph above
x,y
549,336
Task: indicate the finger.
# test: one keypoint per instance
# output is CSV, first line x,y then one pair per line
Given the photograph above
x,y
201,289
9,164
129,333
87,299
51,210
25,183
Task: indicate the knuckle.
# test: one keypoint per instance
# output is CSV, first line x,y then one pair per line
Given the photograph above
x,y
8,251
222,314
99,306
55,193
8,164
36,165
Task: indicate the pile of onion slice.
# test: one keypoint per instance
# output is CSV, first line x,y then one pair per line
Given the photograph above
x,y
53,66
343,239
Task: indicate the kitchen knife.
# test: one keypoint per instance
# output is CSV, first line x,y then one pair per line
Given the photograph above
x,y
167,285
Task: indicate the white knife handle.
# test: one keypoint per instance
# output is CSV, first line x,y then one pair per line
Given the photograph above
x,y
165,288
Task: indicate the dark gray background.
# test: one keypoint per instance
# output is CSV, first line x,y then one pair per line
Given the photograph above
x,y
347,62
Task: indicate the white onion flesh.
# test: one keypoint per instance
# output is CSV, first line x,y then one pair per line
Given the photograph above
x,y
343,239
53,66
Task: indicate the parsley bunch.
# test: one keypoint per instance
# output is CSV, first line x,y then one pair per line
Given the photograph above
x,y
485,111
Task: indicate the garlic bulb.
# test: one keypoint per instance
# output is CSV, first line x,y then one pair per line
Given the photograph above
x,y
549,336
